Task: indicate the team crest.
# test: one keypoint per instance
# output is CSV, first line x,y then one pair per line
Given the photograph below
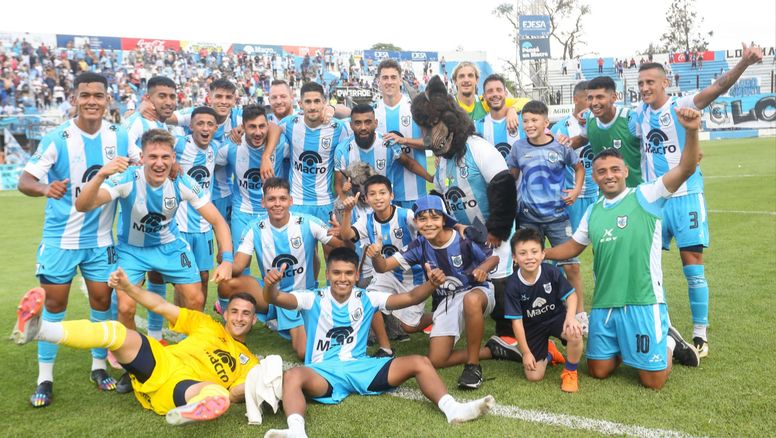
x,y
356,314
464,171
380,164
617,143
296,242
547,287
622,221
553,157
398,233
665,119
457,260
243,359
110,152
209,155
405,120
326,142
170,203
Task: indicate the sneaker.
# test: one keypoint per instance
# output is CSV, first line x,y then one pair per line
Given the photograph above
x,y
583,321
701,345
103,380
557,357
209,408
124,385
427,330
382,353
500,350
28,316
43,394
569,381
471,377
509,340
684,353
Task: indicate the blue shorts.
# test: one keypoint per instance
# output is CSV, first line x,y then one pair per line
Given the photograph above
x,y
322,212
57,266
201,245
353,377
224,206
556,233
287,319
577,210
173,260
685,219
636,333
404,204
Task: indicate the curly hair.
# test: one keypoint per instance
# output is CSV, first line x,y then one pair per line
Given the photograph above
x,y
435,105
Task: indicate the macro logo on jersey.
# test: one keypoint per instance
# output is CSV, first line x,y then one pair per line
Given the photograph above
x,y
450,286
587,156
389,250
503,149
251,179
336,336
201,175
456,199
90,173
539,307
405,149
655,143
220,360
150,223
290,262
309,162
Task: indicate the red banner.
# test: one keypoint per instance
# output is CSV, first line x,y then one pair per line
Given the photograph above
x,y
707,56
303,50
149,44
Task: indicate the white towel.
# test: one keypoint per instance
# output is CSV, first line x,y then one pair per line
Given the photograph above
x,y
264,383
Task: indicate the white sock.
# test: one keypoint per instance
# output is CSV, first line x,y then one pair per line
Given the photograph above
x,y
50,332
671,343
296,425
45,372
98,364
447,405
699,331
461,412
156,334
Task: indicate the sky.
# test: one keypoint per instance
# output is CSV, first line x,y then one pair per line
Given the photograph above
x,y
616,28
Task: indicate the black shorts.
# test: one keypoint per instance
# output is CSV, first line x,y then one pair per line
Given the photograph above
x,y
539,334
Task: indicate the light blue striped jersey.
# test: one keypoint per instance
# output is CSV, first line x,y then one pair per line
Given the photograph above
x,y
243,163
398,119
397,232
662,141
312,159
497,134
294,244
147,216
66,152
337,331
199,164
569,126
382,159
136,125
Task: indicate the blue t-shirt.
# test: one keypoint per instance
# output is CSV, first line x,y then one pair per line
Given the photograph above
x,y
538,302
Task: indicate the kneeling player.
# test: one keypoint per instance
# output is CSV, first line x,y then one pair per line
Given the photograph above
x,y
179,381
337,319
534,301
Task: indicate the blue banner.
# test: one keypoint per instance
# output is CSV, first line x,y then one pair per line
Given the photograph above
x,y
534,49
95,42
419,56
534,26
256,49
379,55
746,112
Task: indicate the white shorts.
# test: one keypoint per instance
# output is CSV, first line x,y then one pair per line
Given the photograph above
x,y
388,282
448,316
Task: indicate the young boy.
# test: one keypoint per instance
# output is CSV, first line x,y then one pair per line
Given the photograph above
x,y
337,320
462,300
534,302
539,163
396,226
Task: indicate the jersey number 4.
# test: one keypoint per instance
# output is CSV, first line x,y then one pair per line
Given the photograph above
x,y
185,262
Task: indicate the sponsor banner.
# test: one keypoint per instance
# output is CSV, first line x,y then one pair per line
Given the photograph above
x,y
256,49
149,44
36,39
304,50
534,49
746,86
379,55
94,42
679,57
360,95
747,112
736,53
534,26
558,112
195,46
419,56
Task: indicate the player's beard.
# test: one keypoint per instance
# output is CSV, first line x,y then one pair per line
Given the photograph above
x,y
365,142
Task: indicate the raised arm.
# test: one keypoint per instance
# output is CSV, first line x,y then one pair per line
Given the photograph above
x,y
690,119
92,196
151,301
418,294
271,293
751,55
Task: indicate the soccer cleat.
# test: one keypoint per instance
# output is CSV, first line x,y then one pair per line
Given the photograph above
x,y
28,316
684,353
124,385
103,380
569,381
701,345
509,340
382,353
501,350
209,408
471,377
43,394
557,357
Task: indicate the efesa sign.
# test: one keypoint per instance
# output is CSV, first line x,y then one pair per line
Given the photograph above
x,y
534,26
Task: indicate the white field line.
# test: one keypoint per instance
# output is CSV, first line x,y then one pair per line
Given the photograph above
x,y
745,175
767,213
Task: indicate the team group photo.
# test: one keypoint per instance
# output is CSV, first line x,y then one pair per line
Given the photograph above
x,y
356,239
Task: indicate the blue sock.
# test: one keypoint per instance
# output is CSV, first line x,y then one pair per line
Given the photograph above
x,y
549,357
114,306
99,316
155,320
47,352
571,366
698,290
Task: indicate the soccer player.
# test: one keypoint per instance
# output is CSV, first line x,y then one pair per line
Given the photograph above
x,y
462,300
629,320
160,100
195,380
465,77
280,237
336,365
493,127
663,143
539,163
67,158
569,126
281,100
541,303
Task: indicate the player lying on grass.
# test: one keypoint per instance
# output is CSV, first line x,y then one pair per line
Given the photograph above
x,y
194,380
337,320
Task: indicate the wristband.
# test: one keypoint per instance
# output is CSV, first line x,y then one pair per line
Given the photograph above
x,y
227,257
